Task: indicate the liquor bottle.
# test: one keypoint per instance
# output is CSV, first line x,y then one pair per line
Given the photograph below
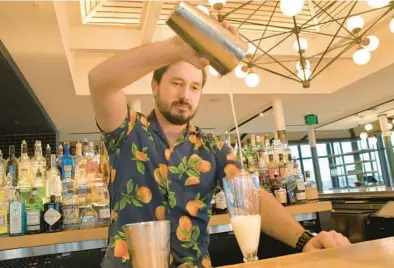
x,y
60,153
17,215
38,161
104,162
25,178
312,195
92,162
3,167
54,184
80,161
282,167
89,216
34,213
48,153
220,200
279,191
300,191
70,208
4,205
272,167
40,184
12,166
253,142
52,215
100,200
67,163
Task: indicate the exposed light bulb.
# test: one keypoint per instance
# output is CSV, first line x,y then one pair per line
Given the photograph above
x,y
301,75
252,80
373,43
363,135
378,3
251,49
390,126
203,9
361,56
291,7
368,127
239,72
261,114
392,25
355,22
303,44
392,121
307,65
217,4
212,71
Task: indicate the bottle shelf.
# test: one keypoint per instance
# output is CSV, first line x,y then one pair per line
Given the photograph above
x,y
353,163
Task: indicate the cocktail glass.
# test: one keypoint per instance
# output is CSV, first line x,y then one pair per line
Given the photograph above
x,y
243,203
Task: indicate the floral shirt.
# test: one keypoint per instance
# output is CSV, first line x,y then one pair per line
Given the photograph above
x,y
151,180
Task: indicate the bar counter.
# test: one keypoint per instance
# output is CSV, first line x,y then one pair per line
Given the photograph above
x,y
359,193
100,234
371,254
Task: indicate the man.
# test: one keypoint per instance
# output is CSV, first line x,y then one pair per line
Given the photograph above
x,y
165,168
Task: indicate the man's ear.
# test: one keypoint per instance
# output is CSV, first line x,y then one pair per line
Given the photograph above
x,y
155,87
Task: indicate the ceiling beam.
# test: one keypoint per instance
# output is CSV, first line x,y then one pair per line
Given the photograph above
x,y
150,15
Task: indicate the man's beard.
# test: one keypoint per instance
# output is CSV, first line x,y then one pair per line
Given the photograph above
x,y
176,119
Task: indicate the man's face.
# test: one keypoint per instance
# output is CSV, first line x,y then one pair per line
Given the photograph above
x,y
178,94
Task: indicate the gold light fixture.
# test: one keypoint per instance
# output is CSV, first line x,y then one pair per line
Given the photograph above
x,y
342,22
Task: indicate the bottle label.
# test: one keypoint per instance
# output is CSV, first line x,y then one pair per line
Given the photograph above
x,y
67,171
52,216
213,201
55,186
104,213
70,215
300,185
32,218
281,196
15,218
301,196
220,200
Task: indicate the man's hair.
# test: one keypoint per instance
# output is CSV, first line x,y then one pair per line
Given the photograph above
x,y
158,75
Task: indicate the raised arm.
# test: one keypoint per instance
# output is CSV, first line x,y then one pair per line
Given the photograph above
x,y
107,79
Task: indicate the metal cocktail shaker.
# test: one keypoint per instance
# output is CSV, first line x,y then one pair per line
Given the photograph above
x,y
207,36
148,244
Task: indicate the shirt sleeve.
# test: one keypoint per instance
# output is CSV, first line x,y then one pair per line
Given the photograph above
x,y
114,140
227,164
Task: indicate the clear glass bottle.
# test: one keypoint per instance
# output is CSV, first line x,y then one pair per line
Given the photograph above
x,y
80,162
17,215
4,206
40,184
12,166
92,162
100,200
38,161
3,173
89,217
34,213
59,156
48,153
25,177
300,190
54,184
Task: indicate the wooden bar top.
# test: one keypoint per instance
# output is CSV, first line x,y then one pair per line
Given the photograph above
x,y
371,254
102,233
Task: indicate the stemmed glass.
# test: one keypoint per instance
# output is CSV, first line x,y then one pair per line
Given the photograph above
x,y
243,203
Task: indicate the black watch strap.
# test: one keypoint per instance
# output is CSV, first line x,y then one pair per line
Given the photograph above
x,y
303,239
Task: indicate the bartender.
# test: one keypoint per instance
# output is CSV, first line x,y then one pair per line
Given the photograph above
x,y
163,167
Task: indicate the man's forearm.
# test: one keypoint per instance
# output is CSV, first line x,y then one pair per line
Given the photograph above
x,y
277,222
127,67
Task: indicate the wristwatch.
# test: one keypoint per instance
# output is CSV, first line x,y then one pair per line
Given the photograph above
x,y
303,239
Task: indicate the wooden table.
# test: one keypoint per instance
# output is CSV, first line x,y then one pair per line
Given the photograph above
x,y
371,254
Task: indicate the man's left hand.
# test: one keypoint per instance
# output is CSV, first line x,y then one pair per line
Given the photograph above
x,y
324,239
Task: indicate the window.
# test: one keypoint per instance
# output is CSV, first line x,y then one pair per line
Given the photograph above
x,y
308,166
346,147
324,166
321,149
305,151
294,151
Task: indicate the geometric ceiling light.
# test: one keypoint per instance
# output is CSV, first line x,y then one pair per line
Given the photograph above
x,y
363,135
277,33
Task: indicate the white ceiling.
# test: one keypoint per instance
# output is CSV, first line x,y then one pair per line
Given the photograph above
x,y
54,51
